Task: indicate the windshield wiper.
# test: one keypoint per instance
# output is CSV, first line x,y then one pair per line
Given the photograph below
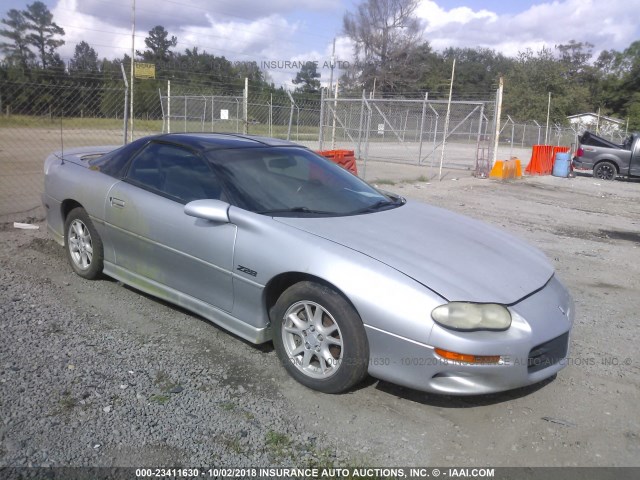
x,y
379,205
296,210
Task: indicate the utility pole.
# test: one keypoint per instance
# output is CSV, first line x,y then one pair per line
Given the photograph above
x,y
133,53
446,122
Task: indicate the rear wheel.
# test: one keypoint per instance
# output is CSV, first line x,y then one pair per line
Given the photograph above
x,y
605,171
83,244
319,338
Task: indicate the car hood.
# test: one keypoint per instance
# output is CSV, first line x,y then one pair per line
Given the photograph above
x,y
457,257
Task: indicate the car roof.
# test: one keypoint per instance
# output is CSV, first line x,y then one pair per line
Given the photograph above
x,y
217,141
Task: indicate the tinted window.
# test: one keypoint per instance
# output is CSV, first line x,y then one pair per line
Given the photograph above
x,y
175,172
113,163
294,181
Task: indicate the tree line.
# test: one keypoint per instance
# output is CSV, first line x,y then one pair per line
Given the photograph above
x,y
390,57
389,44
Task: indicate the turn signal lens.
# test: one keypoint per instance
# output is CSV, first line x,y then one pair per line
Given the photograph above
x,y
472,316
466,358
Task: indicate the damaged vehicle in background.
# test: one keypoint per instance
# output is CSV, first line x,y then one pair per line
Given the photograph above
x,y
608,159
274,242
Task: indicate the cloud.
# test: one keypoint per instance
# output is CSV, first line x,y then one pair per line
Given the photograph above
x,y
265,37
287,29
545,24
173,14
108,40
437,17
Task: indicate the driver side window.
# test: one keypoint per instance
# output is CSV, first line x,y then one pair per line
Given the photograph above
x,y
173,172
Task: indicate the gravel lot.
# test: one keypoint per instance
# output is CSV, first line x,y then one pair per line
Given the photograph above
x,y
95,373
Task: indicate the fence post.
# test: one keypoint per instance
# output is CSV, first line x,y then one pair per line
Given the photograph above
x,y
513,130
271,116
335,108
359,155
366,137
424,113
245,106
546,131
496,140
481,167
237,115
204,113
126,105
539,131
168,106
321,131
293,104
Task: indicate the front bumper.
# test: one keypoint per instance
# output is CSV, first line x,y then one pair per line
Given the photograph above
x,y
535,347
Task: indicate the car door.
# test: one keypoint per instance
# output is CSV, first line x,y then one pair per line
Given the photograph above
x,y
154,238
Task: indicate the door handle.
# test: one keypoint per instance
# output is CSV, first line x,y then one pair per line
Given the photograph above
x,y
116,202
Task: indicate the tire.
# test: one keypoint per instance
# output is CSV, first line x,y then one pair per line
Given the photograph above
x,y
605,171
83,244
329,353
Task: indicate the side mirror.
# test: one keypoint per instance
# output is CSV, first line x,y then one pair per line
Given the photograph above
x,y
214,210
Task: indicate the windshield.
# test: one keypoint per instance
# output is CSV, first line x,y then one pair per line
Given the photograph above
x,y
292,181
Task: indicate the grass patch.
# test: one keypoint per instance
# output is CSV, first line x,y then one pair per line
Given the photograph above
x,y
232,443
67,402
324,459
383,181
159,398
277,442
301,132
164,381
248,415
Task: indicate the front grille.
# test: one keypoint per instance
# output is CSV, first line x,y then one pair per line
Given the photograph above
x,y
548,353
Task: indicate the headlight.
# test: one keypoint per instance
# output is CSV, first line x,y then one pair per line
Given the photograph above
x,y
472,316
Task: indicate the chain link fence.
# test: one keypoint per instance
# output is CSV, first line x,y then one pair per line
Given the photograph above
x,y
275,116
40,117
521,135
414,131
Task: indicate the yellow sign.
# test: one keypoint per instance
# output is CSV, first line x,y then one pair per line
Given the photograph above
x,y
144,70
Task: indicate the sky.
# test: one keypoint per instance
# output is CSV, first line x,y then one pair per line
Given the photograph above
x,y
303,30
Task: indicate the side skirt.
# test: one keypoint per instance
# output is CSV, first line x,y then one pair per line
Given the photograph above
x,y
217,316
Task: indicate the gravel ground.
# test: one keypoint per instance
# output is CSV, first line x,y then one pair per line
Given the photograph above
x,y
98,374
82,387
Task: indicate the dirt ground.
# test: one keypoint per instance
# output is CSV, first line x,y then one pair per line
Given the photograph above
x,y
586,416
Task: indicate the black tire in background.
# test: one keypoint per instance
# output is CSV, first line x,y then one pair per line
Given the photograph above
x,y
83,245
605,171
320,338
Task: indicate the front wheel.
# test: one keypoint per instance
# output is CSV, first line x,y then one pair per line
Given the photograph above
x,y
605,171
83,244
320,338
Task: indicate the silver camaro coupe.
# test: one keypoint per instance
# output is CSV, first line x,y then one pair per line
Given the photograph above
x,y
273,242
